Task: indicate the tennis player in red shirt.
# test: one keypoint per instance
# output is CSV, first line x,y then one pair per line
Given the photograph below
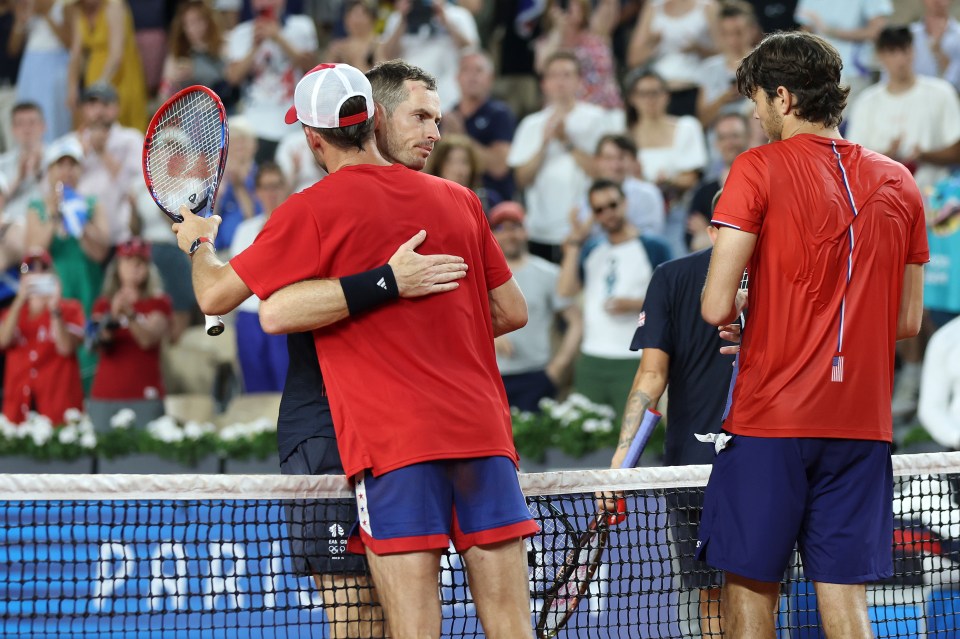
x,y
834,240
420,412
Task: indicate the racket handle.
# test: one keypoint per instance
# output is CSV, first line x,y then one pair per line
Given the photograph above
x,y
650,420
214,325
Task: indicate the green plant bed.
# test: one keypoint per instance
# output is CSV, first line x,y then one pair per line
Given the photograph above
x,y
165,444
574,433
575,426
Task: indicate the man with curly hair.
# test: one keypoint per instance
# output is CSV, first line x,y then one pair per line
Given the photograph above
x,y
833,237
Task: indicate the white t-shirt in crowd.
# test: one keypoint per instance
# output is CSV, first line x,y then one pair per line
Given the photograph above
x,y
939,405
294,158
243,237
537,280
924,118
687,153
560,183
674,61
434,50
612,270
847,15
269,91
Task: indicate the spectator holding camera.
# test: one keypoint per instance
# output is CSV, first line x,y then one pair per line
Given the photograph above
x,y
40,333
131,318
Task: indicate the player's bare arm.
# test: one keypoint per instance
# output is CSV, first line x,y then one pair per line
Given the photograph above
x,y
309,305
648,387
508,308
911,302
731,252
217,286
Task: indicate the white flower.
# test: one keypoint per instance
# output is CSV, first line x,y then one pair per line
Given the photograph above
x,y
605,411
605,425
38,428
591,425
124,418
68,434
165,429
547,403
246,430
72,415
88,440
196,430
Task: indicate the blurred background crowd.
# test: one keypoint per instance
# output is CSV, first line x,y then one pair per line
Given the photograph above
x,y
595,132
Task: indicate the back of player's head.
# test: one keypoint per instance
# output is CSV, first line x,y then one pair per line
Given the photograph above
x,y
806,65
894,38
389,79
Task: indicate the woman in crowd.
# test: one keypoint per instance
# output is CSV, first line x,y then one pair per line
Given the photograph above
x,y
40,333
672,149
42,32
195,46
737,32
455,159
674,37
131,318
74,230
358,48
588,34
104,51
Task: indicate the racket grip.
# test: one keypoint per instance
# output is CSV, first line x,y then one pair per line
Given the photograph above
x,y
214,325
650,420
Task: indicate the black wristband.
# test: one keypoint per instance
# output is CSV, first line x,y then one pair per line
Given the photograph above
x,y
369,289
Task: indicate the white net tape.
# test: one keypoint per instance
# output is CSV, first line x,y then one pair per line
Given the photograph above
x,y
154,487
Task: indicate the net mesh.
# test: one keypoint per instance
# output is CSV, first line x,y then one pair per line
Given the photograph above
x,y
215,556
182,159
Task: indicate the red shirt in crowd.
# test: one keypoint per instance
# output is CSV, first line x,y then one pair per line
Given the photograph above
x,y
793,195
412,380
37,377
125,370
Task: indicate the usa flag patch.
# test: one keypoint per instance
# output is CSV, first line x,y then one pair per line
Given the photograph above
x,y
641,319
836,371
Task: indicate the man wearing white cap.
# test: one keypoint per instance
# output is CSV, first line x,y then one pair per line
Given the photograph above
x,y
416,445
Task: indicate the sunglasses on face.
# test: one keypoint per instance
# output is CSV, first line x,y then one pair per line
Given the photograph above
x,y
603,208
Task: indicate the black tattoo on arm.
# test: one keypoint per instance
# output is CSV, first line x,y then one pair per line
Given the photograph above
x,y
637,405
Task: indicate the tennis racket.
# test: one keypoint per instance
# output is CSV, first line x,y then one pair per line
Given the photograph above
x,y
572,578
184,152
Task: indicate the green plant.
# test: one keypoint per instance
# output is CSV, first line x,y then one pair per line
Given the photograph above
x,y
576,426
37,437
253,440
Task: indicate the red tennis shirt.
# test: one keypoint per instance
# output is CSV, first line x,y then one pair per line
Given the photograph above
x,y
806,370
413,380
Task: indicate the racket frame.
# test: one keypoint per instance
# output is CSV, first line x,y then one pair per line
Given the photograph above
x,y
221,164
213,324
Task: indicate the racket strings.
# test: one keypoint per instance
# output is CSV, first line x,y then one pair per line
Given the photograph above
x,y
184,152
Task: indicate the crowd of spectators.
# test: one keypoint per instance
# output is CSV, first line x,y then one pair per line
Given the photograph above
x,y
595,132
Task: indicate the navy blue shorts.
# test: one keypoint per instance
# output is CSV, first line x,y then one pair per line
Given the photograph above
x,y
318,529
426,506
831,497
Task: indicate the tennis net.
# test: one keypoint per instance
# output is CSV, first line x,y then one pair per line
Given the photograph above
x,y
210,556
